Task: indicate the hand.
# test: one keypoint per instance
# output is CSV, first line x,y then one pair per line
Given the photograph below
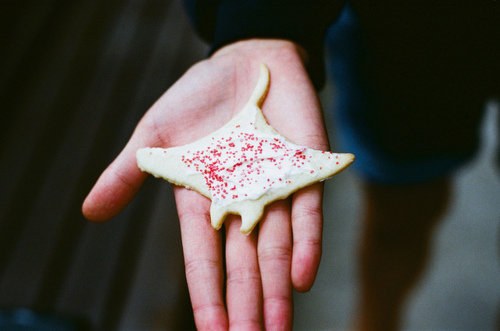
x,y
284,251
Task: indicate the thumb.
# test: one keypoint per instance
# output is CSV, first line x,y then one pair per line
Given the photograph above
x,y
119,183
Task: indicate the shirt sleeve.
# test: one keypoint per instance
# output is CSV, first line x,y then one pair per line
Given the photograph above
x,y
220,22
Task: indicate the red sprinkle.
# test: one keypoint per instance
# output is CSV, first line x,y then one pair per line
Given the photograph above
x,y
223,163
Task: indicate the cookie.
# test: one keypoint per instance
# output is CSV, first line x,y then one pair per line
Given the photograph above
x,y
243,166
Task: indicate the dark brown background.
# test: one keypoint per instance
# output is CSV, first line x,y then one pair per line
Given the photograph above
x,y
75,78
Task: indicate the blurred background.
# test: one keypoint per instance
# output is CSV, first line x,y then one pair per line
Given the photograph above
x,y
75,78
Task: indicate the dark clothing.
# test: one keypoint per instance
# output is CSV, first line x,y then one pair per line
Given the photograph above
x,y
411,111
393,27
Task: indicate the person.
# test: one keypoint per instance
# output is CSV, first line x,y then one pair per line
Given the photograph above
x,y
410,78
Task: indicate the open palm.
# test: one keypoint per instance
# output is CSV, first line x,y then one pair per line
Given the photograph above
x,y
248,283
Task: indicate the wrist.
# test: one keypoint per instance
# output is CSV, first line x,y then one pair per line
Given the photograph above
x,y
277,54
269,51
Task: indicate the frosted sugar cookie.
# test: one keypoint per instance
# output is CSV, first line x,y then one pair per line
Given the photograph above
x,y
244,165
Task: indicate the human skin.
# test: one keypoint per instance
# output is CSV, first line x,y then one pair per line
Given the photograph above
x,y
254,288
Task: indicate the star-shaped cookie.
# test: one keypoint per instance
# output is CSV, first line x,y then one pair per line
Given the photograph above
x,y
243,166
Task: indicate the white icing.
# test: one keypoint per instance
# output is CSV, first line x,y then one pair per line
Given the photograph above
x,y
241,163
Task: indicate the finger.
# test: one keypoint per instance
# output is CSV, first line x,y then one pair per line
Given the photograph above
x,y
274,249
121,180
203,260
307,224
243,284
114,189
